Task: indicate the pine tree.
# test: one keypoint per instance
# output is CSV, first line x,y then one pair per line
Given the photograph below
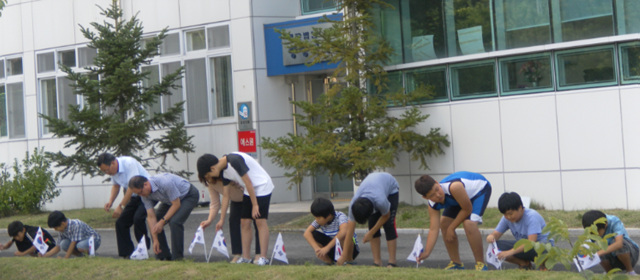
x,y
349,131
114,116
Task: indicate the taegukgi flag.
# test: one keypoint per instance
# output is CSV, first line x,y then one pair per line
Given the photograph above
x,y
417,250
198,238
92,246
39,243
219,244
492,255
278,250
338,250
141,251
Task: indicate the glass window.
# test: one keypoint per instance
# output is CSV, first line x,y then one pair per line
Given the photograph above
x,y
195,40
316,6
15,108
422,30
197,101
14,66
46,62
152,79
529,73
628,14
1,68
170,44
386,21
86,56
66,97
473,80
175,97
222,88
218,37
3,112
469,27
522,23
48,101
586,66
630,62
582,19
432,79
67,58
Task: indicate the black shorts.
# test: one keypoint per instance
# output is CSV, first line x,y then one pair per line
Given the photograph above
x,y
263,205
389,226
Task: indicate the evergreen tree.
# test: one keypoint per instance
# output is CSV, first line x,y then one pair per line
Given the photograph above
x,y
349,131
114,116
2,4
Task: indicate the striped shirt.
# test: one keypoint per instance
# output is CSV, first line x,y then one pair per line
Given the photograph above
x,y
331,229
78,230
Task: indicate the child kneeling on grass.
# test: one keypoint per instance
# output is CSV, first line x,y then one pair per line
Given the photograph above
x,y
333,225
622,252
23,235
524,223
74,235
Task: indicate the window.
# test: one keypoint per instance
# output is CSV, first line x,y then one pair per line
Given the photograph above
x,y
582,19
197,101
387,25
15,110
175,97
472,80
222,86
469,27
170,44
46,62
422,30
86,56
317,6
586,68
67,58
195,40
14,66
218,37
630,62
1,68
48,101
522,23
628,13
152,79
526,73
432,79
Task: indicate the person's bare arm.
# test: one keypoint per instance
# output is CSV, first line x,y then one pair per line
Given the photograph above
x,y
434,229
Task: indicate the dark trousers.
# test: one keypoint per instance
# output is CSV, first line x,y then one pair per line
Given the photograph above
x,y
234,229
323,240
132,214
176,224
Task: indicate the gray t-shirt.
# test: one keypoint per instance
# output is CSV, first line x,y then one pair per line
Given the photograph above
x,y
165,188
376,187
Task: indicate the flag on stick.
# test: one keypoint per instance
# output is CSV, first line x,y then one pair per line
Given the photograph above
x,y
39,243
92,247
417,250
492,255
278,251
199,238
141,251
338,250
219,244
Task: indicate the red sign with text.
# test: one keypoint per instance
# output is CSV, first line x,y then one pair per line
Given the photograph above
x,y
247,141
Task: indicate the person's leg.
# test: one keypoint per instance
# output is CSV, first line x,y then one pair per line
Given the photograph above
x,y
140,221
452,245
390,229
123,230
322,240
475,239
64,244
521,259
234,230
165,252
176,223
375,242
245,227
479,204
257,237
262,225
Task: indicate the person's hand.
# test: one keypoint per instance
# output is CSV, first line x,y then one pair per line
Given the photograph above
x,y
367,237
451,234
107,206
117,212
1,247
255,213
18,253
341,260
158,227
205,224
490,238
322,252
423,256
219,225
600,253
156,248
505,254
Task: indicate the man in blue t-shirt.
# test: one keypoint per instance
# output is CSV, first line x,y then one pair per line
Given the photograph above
x,y
622,252
524,223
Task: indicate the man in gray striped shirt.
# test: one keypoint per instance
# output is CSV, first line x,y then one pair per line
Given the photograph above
x,y
177,199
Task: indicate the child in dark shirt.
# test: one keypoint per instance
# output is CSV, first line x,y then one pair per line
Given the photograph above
x,y
23,235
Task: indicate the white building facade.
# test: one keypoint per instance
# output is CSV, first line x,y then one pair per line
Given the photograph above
x,y
539,96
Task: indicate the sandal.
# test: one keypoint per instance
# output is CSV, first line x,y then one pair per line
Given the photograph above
x,y
390,265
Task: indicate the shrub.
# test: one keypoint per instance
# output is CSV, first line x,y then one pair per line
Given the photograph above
x,y
29,186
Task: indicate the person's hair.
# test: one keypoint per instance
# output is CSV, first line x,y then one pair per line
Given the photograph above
x,y
14,227
204,166
362,208
424,184
322,207
106,159
137,182
509,201
55,219
591,217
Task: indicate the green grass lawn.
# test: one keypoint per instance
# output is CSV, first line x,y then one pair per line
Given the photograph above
x,y
109,268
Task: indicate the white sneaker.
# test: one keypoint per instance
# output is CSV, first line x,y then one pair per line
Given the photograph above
x,y
631,273
262,261
243,260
